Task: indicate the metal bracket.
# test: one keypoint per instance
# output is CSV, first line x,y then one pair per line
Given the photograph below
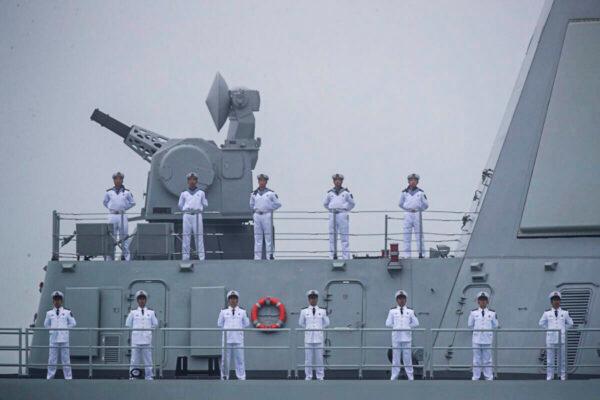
x,y
479,277
476,266
338,266
68,267
550,266
186,267
394,266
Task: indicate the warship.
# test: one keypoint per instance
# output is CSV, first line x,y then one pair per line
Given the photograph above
x,y
534,227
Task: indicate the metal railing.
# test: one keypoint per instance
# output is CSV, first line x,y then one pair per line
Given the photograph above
x,y
90,347
496,348
362,349
161,346
493,347
223,347
295,232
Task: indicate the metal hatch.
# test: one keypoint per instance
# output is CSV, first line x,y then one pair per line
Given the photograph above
x,y
157,301
345,307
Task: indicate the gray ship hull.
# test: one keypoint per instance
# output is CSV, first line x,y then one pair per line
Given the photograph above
x,y
297,390
356,295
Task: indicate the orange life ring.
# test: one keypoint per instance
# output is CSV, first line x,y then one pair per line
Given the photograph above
x,y
267,301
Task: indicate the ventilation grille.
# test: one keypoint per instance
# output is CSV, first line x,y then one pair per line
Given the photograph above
x,y
111,355
577,303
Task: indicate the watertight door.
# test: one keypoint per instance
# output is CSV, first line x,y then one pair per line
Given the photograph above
x,y
157,298
345,310
157,301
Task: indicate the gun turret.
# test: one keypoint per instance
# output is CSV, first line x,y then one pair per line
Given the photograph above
x,y
144,142
224,173
110,123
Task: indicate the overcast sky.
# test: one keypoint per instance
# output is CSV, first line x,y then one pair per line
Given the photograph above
x,y
374,90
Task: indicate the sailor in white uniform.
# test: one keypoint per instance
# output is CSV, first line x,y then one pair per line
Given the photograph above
x,y
482,318
414,201
118,200
192,202
402,317
263,201
233,317
59,318
339,201
141,341
313,317
555,318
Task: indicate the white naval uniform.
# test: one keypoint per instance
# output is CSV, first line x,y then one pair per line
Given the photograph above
x,y
339,202
59,340
233,341
313,318
402,318
413,200
555,319
263,203
117,202
482,341
141,341
192,203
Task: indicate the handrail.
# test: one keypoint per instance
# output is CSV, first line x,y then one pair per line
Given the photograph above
x,y
296,243
495,348
429,347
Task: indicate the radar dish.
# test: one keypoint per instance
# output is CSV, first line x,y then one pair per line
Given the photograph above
x,y
218,101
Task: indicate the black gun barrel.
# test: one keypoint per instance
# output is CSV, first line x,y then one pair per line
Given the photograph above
x,y
110,123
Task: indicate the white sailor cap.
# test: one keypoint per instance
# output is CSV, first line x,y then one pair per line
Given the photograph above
x,y
191,175
482,294
413,176
118,173
140,293
312,292
337,176
233,293
401,293
58,293
263,176
554,294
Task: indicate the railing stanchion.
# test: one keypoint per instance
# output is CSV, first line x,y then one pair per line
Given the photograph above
x,y
432,355
495,353
559,357
20,353
427,354
290,355
27,351
90,353
295,354
335,235
361,361
163,353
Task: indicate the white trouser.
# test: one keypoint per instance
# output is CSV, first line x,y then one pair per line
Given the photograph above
x,y
141,356
404,349
263,226
313,360
339,226
482,360
192,223
235,350
552,362
53,352
412,221
120,225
